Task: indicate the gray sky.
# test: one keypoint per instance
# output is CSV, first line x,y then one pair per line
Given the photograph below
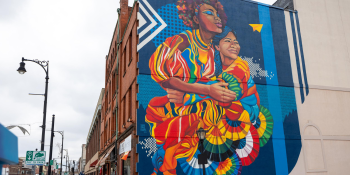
x,y
74,35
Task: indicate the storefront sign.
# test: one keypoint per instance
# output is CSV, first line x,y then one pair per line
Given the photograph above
x,y
125,146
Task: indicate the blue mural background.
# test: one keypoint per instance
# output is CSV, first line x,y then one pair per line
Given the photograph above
x,y
266,51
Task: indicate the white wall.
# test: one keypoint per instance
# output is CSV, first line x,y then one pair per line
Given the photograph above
x,y
325,27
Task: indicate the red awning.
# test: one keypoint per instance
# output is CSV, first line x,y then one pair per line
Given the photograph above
x,y
93,164
103,159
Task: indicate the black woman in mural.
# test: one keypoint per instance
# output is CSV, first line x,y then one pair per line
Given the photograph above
x,y
216,92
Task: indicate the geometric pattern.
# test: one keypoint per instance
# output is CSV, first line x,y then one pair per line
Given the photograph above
x,y
175,25
155,20
150,145
256,70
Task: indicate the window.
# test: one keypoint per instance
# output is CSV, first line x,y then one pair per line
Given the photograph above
x,y
117,80
130,48
116,125
113,84
130,101
313,149
124,60
126,167
106,101
124,111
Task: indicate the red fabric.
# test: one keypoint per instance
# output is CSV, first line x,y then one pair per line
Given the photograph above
x,y
93,164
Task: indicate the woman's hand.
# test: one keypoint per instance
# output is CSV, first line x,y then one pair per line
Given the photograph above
x,y
175,96
218,92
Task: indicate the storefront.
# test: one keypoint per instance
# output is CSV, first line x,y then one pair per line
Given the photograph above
x,y
106,164
125,158
91,167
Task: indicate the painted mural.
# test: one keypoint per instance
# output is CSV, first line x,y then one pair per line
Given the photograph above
x,y
219,65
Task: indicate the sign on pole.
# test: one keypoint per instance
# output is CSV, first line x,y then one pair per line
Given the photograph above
x,y
35,157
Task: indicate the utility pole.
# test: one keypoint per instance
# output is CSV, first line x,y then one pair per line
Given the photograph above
x,y
51,142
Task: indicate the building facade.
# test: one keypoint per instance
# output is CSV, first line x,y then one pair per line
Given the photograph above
x,y
128,56
20,168
256,78
92,145
82,159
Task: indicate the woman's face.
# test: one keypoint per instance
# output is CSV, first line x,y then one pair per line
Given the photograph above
x,y
208,19
229,47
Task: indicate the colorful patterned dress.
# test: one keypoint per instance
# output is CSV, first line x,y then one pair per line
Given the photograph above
x,y
172,123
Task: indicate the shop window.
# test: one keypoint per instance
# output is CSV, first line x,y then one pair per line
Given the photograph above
x,y
126,166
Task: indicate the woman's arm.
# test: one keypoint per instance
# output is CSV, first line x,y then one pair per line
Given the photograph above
x,y
215,91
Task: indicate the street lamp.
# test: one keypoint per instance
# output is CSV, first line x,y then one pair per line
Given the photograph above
x,y
21,69
62,133
73,166
45,66
202,158
67,157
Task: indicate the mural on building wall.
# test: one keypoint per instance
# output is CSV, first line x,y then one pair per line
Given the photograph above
x,y
223,66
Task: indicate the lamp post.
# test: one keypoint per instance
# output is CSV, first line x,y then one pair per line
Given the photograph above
x,y
45,66
66,159
62,134
73,166
202,158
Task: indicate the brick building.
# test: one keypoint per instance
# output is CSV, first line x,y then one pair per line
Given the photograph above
x,y
287,50
93,141
22,169
119,98
109,109
128,71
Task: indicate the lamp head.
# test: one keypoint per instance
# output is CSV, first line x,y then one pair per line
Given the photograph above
x,y
201,134
21,70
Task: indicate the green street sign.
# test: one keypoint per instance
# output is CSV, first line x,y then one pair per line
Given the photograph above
x,y
35,157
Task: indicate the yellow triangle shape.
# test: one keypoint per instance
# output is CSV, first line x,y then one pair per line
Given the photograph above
x,y
256,27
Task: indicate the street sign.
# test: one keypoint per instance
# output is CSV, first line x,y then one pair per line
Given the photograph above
x,y
35,157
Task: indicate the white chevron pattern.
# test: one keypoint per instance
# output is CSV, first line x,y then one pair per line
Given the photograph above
x,y
150,26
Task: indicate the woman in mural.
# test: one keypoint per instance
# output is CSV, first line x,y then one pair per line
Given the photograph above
x,y
184,63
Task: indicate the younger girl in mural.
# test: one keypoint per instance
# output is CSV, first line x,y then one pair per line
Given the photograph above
x,y
236,135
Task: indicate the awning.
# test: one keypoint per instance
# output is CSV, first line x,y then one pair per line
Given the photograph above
x,y
99,161
93,164
103,159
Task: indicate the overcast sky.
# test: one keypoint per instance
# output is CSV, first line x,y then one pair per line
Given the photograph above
x,y
74,35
